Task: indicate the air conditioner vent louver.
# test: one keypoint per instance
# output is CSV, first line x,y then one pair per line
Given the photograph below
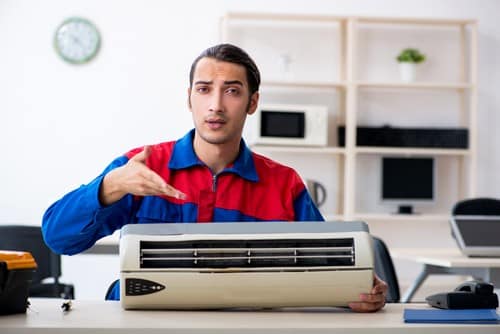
x,y
204,254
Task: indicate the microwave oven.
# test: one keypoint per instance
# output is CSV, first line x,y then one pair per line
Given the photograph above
x,y
299,125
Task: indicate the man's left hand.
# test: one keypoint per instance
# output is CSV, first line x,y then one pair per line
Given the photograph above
x,y
373,301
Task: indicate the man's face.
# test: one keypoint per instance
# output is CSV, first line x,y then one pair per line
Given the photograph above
x,y
220,101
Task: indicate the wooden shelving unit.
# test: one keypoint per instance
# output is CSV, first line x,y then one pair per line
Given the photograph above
x,y
345,74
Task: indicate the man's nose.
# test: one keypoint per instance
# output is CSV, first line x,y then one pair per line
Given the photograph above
x,y
216,102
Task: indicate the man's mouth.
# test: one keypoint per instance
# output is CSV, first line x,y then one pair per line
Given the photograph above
x,y
215,123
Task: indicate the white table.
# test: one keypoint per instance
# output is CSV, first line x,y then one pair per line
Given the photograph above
x,y
46,316
107,245
447,261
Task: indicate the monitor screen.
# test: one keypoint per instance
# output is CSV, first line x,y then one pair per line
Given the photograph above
x,y
407,179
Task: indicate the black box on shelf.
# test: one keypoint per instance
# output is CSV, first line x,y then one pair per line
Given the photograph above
x,y
457,138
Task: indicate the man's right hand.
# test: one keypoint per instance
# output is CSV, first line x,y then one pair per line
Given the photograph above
x,y
135,178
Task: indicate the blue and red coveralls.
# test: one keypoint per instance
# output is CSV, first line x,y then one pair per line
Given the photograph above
x,y
253,188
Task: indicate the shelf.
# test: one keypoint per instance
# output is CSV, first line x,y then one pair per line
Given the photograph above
x,y
367,217
410,21
412,151
353,71
328,18
362,84
305,84
299,149
415,85
400,217
363,150
284,17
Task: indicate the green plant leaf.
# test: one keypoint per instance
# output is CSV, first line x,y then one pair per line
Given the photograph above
x,y
411,55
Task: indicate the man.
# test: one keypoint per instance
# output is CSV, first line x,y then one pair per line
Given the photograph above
x,y
208,175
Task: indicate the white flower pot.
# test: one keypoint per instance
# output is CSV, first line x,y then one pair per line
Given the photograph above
x,y
408,71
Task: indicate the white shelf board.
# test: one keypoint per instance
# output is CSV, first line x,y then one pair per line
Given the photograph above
x,y
415,85
400,217
411,151
298,149
284,17
369,84
304,84
360,19
411,20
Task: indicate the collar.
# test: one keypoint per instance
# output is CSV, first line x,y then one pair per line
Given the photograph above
x,y
183,156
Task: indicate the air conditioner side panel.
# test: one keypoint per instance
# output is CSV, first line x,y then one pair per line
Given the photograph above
x,y
224,290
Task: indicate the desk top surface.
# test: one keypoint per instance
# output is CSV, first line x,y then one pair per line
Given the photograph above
x,y
46,316
444,257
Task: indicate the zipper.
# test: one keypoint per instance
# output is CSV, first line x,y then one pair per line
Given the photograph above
x,y
214,182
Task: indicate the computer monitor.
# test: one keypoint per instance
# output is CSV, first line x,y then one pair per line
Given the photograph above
x,y
408,180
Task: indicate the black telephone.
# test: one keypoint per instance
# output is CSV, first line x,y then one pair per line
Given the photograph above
x,y
468,295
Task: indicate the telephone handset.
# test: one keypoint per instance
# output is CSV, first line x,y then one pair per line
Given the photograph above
x,y
479,288
468,295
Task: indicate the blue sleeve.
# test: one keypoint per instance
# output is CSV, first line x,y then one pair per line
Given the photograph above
x,y
305,209
76,221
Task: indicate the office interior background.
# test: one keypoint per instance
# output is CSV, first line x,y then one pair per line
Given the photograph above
x,y
62,124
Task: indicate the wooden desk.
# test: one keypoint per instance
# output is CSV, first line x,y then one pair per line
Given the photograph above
x,y
448,261
108,317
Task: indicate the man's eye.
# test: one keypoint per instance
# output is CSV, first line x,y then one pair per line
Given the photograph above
x,y
202,89
232,91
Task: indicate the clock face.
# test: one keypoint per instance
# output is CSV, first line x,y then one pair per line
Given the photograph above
x,y
77,40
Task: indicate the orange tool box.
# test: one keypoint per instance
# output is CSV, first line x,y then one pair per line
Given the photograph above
x,y
16,273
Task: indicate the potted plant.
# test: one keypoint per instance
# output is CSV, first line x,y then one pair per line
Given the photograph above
x,y
408,59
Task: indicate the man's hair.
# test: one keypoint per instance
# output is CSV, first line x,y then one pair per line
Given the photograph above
x,y
232,54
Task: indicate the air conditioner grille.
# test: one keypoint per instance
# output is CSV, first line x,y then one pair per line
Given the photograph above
x,y
203,254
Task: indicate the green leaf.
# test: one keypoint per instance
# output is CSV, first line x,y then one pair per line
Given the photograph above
x,y
411,55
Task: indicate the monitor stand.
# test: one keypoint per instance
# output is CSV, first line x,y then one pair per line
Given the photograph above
x,y
405,210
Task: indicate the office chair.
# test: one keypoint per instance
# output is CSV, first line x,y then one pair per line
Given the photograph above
x,y
30,239
384,268
110,288
481,206
477,206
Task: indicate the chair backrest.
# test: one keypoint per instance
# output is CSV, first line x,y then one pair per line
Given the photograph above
x,y
110,289
477,206
481,206
384,268
30,239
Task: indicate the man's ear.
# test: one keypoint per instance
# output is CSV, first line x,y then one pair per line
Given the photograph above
x,y
254,102
189,98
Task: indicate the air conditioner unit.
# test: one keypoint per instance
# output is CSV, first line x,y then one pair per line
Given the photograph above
x,y
262,264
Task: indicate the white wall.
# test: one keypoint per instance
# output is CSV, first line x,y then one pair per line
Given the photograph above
x,y
61,125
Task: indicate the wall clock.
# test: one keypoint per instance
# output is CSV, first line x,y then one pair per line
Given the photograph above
x,y
77,40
